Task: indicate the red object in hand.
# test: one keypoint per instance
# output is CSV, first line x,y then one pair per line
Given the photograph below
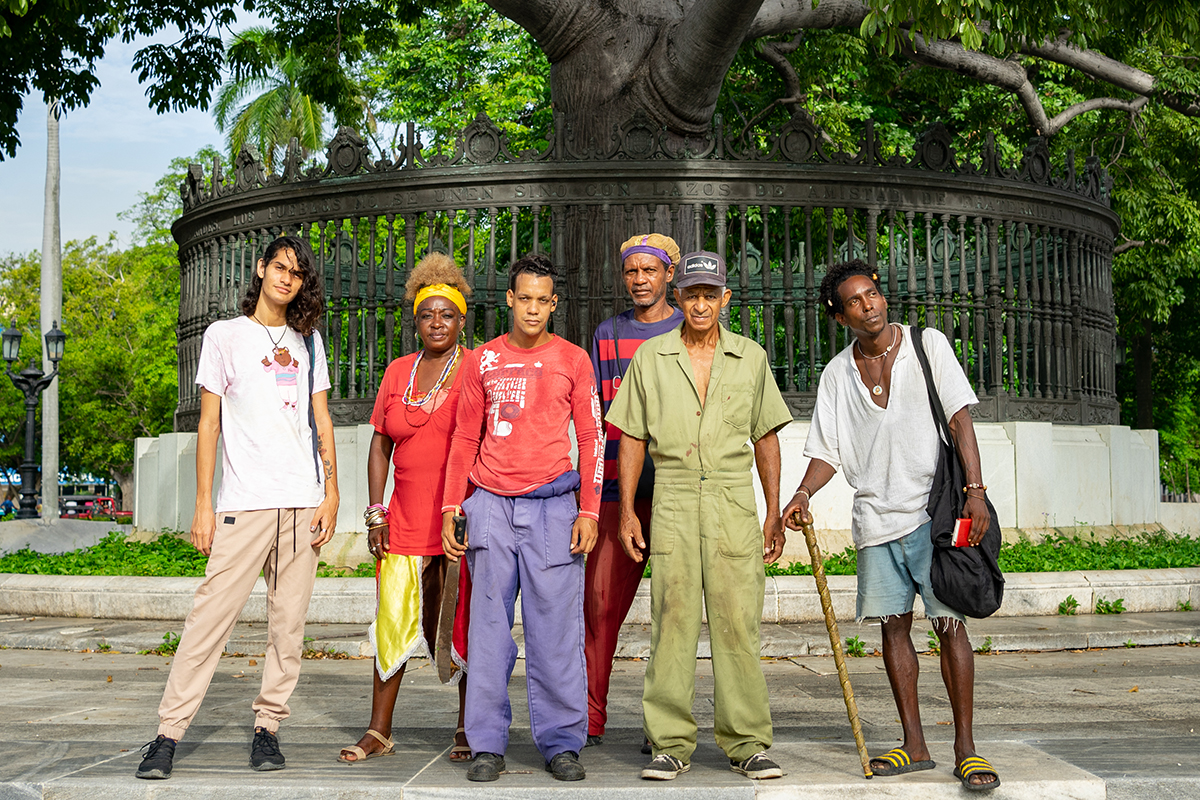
x,y
962,532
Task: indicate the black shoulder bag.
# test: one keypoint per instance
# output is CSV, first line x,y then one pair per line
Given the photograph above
x,y
968,579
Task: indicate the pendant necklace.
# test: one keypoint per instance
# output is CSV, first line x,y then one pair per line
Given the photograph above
x,y
877,389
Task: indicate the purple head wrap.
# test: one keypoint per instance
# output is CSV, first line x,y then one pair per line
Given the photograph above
x,y
657,252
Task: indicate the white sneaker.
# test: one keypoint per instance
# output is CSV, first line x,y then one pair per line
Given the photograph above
x,y
757,767
664,768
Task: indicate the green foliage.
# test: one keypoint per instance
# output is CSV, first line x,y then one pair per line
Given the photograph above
x,y
986,647
263,104
166,556
454,63
118,378
843,563
855,648
1185,605
364,570
1130,643
168,648
1060,553
1068,607
53,47
933,643
1110,606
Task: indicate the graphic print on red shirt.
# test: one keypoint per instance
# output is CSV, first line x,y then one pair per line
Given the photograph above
x,y
514,409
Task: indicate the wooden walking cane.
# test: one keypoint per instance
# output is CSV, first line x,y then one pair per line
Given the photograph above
x,y
835,640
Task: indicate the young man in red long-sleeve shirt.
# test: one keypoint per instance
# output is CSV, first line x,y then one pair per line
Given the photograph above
x,y
519,393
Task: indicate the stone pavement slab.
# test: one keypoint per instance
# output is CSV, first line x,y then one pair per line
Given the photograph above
x,y
1094,724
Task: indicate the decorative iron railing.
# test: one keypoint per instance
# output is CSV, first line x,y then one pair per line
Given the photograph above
x,y
1013,263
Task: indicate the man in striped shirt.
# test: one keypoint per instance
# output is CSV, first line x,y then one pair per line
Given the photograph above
x,y
612,578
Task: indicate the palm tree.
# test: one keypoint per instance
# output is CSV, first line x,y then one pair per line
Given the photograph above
x,y
262,103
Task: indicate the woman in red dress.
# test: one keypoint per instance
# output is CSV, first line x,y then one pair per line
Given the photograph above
x,y
414,420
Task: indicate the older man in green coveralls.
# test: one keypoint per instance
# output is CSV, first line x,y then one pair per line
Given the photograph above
x,y
699,394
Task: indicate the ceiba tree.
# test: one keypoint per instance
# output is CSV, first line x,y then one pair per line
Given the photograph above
x,y
610,57
670,57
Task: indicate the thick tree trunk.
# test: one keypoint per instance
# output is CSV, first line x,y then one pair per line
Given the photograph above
x,y
665,57
124,479
1143,364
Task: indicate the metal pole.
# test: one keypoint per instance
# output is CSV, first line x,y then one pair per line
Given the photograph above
x,y
29,468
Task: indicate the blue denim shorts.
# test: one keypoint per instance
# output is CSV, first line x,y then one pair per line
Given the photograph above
x,y
891,574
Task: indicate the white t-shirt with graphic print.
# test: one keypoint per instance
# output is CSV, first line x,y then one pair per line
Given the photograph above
x,y
261,375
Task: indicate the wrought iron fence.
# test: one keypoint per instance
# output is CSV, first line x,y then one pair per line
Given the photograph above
x,y
1013,263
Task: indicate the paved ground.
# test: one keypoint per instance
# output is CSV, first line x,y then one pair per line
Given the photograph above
x,y
1117,723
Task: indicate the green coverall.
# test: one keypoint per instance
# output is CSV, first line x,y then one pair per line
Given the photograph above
x,y
707,537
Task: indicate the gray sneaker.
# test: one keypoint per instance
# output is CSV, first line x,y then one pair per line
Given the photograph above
x,y
664,768
757,767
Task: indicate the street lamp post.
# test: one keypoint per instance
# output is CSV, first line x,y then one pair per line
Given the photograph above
x,y
31,381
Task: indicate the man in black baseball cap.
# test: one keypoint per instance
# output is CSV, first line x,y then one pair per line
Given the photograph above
x,y
707,536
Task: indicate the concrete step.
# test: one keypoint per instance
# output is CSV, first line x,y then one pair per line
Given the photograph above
x,y
787,599
997,634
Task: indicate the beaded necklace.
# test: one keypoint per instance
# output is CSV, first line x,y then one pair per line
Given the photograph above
x,y
410,398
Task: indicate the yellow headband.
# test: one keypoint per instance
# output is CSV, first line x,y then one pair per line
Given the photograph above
x,y
442,290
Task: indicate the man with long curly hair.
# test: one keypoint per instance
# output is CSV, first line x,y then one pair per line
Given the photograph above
x,y
278,499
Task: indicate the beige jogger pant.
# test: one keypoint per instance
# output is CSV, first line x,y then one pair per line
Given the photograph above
x,y
277,543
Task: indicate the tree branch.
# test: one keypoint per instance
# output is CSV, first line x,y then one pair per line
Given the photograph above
x,y
556,25
1010,75
1109,70
783,16
776,54
688,71
950,55
1063,117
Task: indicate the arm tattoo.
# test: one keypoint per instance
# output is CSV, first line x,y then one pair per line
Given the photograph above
x,y
324,461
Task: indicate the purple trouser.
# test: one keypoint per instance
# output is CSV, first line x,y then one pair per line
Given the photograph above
x,y
525,543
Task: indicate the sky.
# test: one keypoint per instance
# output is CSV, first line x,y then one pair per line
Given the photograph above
x,y
110,151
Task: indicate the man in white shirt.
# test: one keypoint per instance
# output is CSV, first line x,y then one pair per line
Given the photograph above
x,y
263,380
873,421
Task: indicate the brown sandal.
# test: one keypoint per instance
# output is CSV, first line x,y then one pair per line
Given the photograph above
x,y
460,752
389,748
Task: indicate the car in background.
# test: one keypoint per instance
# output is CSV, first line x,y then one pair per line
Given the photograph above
x,y
90,506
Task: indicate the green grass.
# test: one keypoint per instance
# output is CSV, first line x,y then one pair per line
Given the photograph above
x,y
1062,553
166,556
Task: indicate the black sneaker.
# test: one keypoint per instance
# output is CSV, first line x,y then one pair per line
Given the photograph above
x,y
486,767
264,752
156,764
566,767
594,739
664,768
757,767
